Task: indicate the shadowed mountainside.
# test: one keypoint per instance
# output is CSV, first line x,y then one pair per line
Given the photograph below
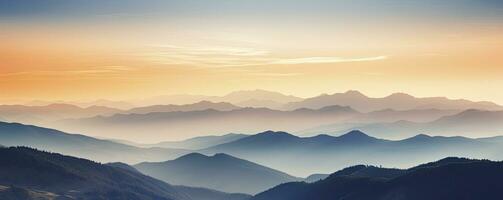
x,y
32,174
450,178
78,178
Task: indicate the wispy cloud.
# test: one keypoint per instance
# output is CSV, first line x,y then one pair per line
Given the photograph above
x,y
321,60
222,57
275,74
101,70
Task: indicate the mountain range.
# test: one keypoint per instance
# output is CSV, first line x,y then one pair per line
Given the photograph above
x,y
467,123
324,153
450,178
160,126
278,150
27,173
243,98
202,105
244,120
396,101
14,134
52,112
220,172
176,118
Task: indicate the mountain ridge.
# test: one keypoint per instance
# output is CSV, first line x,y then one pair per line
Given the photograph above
x,y
440,180
397,101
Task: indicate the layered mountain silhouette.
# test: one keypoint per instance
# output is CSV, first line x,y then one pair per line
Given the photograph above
x,y
33,174
185,116
324,153
159,126
467,123
244,98
202,105
220,172
396,101
450,178
14,134
52,112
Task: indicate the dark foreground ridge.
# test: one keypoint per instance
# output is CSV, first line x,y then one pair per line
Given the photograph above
x,y
450,178
27,173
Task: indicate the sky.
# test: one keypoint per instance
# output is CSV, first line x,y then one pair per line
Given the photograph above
x,y
128,49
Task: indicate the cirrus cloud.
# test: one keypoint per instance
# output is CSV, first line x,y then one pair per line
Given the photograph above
x,y
223,57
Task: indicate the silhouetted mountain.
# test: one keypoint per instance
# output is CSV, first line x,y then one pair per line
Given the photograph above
x,y
199,142
159,126
322,153
13,134
52,112
221,172
78,178
203,105
447,179
397,101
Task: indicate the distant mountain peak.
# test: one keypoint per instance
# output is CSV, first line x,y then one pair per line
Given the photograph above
x,y
422,136
223,156
401,95
419,137
275,134
191,156
355,134
354,93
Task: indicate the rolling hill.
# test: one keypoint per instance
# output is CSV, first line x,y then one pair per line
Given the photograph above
x,y
220,172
